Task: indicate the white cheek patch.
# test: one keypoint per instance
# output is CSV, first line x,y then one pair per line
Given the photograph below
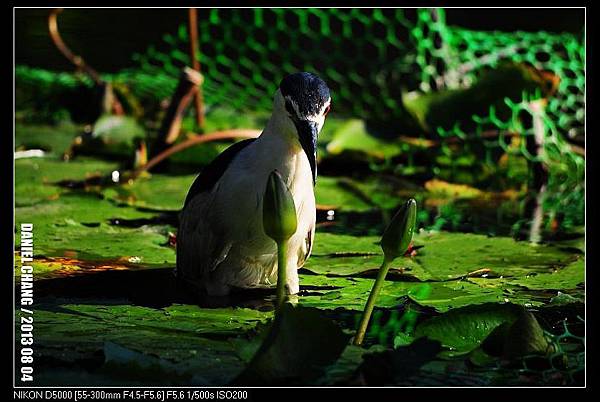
x,y
294,105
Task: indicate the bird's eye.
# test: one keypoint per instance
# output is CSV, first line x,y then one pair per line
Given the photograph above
x,y
326,110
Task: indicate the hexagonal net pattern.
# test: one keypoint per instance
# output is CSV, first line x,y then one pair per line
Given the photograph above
x,y
371,58
246,52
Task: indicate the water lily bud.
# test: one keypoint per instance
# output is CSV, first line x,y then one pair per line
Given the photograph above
x,y
279,211
399,233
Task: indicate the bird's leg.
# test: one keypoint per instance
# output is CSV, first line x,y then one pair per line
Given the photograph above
x,y
287,274
292,280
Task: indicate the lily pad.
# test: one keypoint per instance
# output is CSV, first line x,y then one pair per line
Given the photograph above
x,y
117,129
331,192
463,329
353,293
446,108
158,192
568,277
451,263
440,188
187,337
78,226
36,178
392,366
444,256
55,140
450,255
352,136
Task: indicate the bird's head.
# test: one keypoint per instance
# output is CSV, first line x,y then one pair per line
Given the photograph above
x,y
304,101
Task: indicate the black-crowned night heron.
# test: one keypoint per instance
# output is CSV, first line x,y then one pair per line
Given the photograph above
x,y
221,242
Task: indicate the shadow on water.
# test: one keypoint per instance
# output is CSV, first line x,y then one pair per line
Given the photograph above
x,y
154,288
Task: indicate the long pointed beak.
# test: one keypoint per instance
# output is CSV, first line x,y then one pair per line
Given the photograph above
x,y
308,132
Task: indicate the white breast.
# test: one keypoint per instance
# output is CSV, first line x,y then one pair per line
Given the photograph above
x,y
238,202
242,187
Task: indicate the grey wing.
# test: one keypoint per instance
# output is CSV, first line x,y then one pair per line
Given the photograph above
x,y
200,247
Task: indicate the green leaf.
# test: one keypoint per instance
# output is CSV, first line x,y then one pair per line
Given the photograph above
x,y
35,178
446,108
189,339
463,329
449,255
353,137
343,371
142,192
335,193
117,129
54,139
525,337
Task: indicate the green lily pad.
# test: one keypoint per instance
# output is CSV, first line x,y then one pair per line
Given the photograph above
x,y
35,178
446,108
331,192
199,155
117,129
350,195
78,226
525,337
444,256
448,262
392,366
353,137
565,278
463,329
328,244
213,368
185,336
158,192
120,321
449,255
345,368
353,293
55,140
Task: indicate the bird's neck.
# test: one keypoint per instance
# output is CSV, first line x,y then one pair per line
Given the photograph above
x,y
280,133
280,149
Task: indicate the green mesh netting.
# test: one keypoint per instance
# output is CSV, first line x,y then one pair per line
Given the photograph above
x,y
370,58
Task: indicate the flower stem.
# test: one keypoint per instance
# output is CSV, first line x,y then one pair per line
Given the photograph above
x,y
281,273
366,316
